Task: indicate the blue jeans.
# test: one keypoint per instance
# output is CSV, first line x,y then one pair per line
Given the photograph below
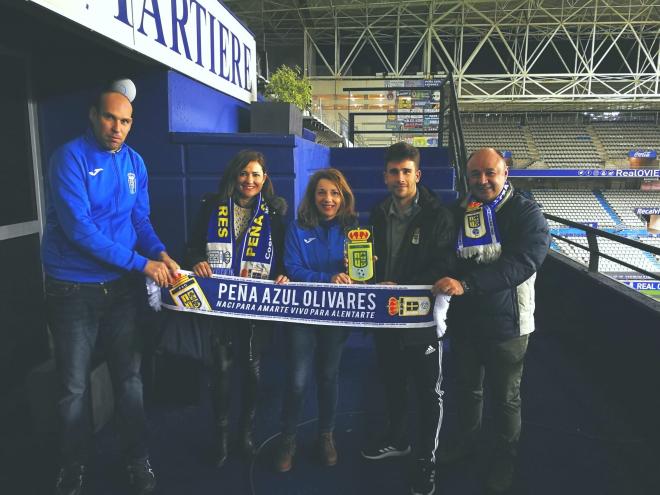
x,y
82,317
303,342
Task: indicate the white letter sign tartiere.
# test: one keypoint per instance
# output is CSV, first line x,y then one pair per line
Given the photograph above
x,y
199,38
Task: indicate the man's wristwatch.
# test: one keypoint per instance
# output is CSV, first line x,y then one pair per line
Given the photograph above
x,y
466,287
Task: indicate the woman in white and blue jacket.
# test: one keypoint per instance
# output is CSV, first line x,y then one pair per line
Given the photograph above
x,y
314,252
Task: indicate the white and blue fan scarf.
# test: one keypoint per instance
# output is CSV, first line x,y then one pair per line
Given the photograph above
x,y
253,258
479,237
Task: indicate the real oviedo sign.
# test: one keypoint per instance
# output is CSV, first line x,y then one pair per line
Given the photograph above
x,y
199,38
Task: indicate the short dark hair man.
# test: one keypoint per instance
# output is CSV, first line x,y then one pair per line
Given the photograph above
x,y
503,240
413,239
97,225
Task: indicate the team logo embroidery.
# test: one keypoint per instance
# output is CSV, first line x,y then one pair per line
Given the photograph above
x,y
415,236
132,185
219,257
474,224
408,306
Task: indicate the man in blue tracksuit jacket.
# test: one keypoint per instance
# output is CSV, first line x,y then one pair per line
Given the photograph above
x,y
98,234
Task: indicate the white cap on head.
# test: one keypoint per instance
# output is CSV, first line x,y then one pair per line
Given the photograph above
x,y
125,87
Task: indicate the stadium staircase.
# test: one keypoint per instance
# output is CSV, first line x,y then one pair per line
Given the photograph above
x,y
606,206
363,168
531,145
653,260
600,148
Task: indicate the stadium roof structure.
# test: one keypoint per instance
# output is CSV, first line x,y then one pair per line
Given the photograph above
x,y
498,51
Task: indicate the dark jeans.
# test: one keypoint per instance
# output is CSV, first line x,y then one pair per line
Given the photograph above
x,y
502,363
304,342
423,364
83,316
225,353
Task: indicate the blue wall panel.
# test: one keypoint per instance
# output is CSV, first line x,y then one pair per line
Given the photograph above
x,y
62,117
194,107
168,214
344,158
434,157
150,135
210,153
284,187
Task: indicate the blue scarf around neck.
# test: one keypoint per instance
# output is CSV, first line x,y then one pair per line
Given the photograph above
x,y
479,237
253,258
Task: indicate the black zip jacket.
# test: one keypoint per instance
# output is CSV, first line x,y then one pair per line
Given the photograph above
x,y
500,302
426,252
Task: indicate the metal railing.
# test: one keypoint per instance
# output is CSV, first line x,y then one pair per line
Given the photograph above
x,y
592,245
455,140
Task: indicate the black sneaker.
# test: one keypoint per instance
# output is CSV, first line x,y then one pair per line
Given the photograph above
x,y
141,477
70,480
385,449
423,478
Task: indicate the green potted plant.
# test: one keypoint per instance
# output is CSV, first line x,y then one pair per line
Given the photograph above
x,y
289,92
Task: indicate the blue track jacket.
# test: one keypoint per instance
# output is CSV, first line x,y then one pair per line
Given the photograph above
x,y
98,213
314,255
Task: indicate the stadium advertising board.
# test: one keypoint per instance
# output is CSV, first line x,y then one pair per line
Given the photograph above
x,y
643,284
199,38
643,154
588,173
647,211
424,141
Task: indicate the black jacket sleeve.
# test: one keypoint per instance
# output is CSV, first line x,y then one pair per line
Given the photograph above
x,y
196,246
376,220
277,233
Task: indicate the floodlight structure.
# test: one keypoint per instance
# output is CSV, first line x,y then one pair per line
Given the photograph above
x,y
498,51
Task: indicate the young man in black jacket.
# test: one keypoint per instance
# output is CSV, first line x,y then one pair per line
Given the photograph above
x,y
502,242
413,241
